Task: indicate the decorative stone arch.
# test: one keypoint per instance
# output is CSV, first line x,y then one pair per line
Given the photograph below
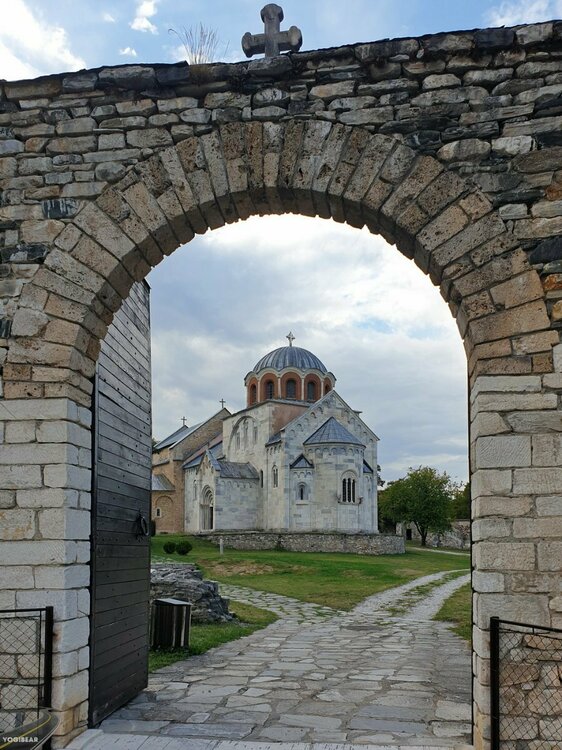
x,y
206,510
451,224
296,378
312,381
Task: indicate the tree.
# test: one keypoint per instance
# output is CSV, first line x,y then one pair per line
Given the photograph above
x,y
422,497
460,508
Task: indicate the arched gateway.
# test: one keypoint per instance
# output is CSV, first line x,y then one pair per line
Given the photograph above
x,y
447,145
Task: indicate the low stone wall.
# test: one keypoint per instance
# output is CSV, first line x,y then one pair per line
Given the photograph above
x,y
361,544
185,581
457,537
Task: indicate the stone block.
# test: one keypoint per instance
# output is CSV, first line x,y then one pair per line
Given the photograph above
x,y
37,552
63,601
70,691
16,524
517,608
538,528
537,481
64,523
485,582
549,506
503,452
504,556
71,635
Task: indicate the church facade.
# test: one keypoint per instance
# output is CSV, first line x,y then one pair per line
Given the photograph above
x,y
297,458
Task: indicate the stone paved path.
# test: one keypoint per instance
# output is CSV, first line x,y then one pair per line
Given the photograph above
x,y
283,606
364,677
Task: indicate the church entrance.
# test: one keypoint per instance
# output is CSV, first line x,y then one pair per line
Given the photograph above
x,y
207,510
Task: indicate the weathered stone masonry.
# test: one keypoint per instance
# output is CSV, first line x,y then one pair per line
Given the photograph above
x,y
448,145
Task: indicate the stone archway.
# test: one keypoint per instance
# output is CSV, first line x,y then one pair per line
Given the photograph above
x,y
228,161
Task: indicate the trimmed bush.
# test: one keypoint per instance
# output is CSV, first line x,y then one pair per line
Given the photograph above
x,y
183,548
169,547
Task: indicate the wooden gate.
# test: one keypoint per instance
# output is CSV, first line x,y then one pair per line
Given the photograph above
x,y
120,568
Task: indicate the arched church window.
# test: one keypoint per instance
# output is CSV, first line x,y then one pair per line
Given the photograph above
x,y
158,513
275,476
301,491
269,389
291,388
207,511
261,478
253,393
311,391
348,489
327,388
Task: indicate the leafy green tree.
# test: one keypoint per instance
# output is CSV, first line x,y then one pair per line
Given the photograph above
x,y
422,497
460,507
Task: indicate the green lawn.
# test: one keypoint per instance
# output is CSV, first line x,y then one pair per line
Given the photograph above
x,y
204,637
333,580
457,609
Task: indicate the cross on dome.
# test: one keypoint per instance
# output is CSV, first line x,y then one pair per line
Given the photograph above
x,y
290,337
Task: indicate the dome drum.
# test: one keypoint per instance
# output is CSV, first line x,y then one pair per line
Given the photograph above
x,y
288,373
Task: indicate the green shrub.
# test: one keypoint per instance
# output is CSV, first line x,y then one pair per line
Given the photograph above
x,y
183,548
169,547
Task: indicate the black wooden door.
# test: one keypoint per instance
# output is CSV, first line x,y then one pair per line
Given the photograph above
x,y
120,567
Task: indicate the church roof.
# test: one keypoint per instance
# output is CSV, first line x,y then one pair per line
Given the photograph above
x,y
175,437
234,470
332,432
366,468
302,463
214,448
160,482
290,356
274,439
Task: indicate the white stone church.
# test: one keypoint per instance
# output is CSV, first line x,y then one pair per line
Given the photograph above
x,y
297,458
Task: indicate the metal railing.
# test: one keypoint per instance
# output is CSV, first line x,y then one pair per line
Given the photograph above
x,y
26,656
526,685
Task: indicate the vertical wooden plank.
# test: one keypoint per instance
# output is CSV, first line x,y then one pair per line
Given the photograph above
x,y
120,561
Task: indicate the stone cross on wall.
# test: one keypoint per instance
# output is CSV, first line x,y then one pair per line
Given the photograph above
x,y
273,41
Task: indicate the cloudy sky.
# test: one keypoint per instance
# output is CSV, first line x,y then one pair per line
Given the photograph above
x,y
227,298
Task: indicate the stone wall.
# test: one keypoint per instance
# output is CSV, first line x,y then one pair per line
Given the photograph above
x,y
447,145
457,537
360,544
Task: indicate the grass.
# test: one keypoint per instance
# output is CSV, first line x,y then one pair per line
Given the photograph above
x,y
204,637
457,610
330,579
415,595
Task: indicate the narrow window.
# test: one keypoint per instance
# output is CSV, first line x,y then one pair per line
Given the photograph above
x,y
255,434
311,391
238,439
253,394
301,492
245,434
275,476
269,389
261,478
291,389
158,513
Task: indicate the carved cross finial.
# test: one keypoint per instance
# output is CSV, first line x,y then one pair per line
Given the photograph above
x,y
290,337
184,421
222,402
273,41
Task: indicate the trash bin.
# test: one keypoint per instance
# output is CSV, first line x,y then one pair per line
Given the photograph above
x,y
170,623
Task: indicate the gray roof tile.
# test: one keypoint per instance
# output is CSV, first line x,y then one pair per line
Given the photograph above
x,y
332,432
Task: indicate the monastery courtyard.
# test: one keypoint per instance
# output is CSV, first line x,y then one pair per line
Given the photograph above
x,y
384,673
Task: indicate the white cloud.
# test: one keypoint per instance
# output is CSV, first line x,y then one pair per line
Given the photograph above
x,y
128,52
514,12
30,46
108,18
145,9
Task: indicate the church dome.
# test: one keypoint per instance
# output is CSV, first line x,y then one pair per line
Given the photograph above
x,y
290,356
289,373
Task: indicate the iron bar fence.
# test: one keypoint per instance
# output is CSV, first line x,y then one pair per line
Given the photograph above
x,y
26,657
525,685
